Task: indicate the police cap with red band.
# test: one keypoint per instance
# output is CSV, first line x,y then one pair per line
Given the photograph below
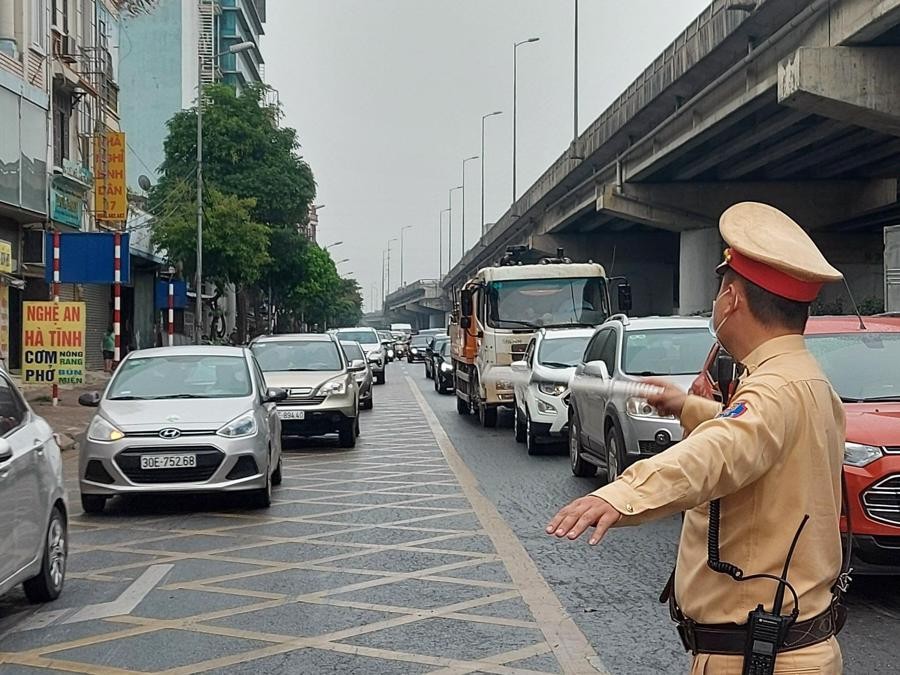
x,y
771,250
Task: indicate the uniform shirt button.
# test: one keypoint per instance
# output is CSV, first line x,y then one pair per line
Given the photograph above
x,y
629,508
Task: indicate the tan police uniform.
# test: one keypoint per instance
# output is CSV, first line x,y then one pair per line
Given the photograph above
x,y
772,456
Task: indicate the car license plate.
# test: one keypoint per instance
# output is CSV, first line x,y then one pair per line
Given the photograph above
x,y
168,461
292,414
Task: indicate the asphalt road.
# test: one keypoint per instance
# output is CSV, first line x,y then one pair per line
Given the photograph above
x,y
611,591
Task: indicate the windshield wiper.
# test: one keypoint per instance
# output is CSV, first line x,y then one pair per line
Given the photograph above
x,y
157,398
650,373
527,324
875,399
847,399
556,364
127,398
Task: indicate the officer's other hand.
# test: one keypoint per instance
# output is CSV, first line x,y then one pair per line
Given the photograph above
x,y
584,512
670,401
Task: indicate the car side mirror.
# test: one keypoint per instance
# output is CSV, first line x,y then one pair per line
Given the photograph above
x,y
275,394
465,322
596,369
625,297
6,452
465,303
90,399
357,365
519,366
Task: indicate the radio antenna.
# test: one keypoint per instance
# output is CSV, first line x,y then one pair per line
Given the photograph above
x,y
862,325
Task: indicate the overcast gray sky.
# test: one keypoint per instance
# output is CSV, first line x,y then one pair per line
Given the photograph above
x,y
387,97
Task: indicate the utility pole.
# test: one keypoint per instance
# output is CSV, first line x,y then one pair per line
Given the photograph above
x,y
462,251
402,275
450,228
575,129
441,243
516,106
483,118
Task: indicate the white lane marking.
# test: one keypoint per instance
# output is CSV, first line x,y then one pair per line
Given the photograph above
x,y
126,602
571,648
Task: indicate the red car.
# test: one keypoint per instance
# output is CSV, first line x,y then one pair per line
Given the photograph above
x,y
864,368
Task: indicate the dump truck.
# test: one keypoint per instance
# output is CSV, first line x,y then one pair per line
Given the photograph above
x,y
498,310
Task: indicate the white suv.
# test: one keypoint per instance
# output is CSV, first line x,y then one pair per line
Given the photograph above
x,y
34,526
541,383
368,339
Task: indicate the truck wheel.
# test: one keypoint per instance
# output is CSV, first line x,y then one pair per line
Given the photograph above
x,y
580,468
487,415
463,407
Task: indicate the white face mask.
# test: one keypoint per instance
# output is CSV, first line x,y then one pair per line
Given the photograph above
x,y
713,328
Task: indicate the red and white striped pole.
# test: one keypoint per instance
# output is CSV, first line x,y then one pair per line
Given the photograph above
x,y
171,311
117,300
55,393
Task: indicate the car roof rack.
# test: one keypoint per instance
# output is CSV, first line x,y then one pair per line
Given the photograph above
x,y
621,318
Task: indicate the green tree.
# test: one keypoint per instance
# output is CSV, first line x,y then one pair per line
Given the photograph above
x,y
235,247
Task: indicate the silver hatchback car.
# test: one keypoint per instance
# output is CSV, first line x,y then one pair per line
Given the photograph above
x,y
614,431
182,419
33,525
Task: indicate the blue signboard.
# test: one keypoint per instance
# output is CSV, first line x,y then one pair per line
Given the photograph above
x,y
86,258
162,294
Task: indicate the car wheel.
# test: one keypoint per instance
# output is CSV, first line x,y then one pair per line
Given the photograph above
x,y
518,427
262,498
277,477
347,434
48,583
463,407
357,424
93,503
615,445
487,415
531,443
367,404
428,375
379,378
580,467
437,384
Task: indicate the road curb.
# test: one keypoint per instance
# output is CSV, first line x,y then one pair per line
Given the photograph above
x,y
570,646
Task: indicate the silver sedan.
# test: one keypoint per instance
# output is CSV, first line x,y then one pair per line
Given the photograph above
x,y
182,419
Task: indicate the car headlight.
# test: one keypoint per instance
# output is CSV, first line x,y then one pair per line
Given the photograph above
x,y
640,407
338,387
546,408
414,350
552,388
101,430
447,367
390,353
857,454
244,425
373,357
504,385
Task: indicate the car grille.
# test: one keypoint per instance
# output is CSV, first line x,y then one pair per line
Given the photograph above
x,y
882,501
155,434
652,447
306,400
208,460
893,450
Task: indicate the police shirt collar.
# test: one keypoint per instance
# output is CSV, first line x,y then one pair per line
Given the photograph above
x,y
782,344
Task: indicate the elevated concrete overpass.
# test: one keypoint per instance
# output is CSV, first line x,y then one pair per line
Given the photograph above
x,y
421,304
792,102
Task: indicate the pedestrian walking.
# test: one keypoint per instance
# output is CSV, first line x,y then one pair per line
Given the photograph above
x,y
109,349
754,479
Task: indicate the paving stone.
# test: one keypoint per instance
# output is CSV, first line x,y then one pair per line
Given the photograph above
x,y
92,561
104,537
416,593
284,528
477,543
514,608
15,669
80,592
296,582
490,571
151,652
319,661
294,509
196,543
193,569
292,552
178,604
384,535
56,634
302,619
383,515
546,663
450,637
401,561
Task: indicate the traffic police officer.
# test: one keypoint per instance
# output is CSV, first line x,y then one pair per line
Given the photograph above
x,y
772,456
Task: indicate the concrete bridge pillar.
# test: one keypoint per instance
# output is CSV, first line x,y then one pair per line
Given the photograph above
x,y
699,254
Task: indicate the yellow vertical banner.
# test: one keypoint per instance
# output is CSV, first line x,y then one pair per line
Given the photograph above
x,y
4,323
110,191
53,335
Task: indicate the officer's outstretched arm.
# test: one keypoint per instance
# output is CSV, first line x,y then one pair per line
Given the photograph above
x,y
721,456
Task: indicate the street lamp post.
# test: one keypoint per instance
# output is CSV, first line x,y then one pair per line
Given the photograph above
x,y
450,228
441,243
483,118
402,275
332,245
515,105
390,241
198,319
575,85
462,251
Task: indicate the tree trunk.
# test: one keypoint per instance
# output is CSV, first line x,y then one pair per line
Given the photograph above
x,y
241,318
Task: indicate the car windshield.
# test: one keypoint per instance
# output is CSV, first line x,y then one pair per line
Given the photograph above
x,y
440,342
666,351
562,352
363,337
547,302
292,355
419,341
445,349
861,367
353,351
182,376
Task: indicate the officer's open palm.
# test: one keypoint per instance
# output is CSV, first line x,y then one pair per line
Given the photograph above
x,y
573,520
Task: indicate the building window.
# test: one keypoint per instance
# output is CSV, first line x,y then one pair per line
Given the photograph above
x,y
62,114
59,13
39,24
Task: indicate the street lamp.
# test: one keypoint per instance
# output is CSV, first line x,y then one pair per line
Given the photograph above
x,y
450,228
341,262
467,159
390,241
402,276
332,245
575,78
483,118
233,49
441,243
515,105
